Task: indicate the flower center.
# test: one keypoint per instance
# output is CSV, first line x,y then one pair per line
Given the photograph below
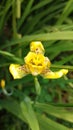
x,y
34,59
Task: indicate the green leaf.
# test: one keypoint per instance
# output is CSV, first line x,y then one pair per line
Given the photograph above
x,y
56,111
67,10
13,106
5,14
22,110
25,13
41,4
11,56
29,114
48,124
62,66
59,35
61,47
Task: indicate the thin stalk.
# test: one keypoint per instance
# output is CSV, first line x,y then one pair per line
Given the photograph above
x,y
14,19
18,11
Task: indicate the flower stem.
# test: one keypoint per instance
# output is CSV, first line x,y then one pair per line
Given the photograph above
x,y
18,4
37,86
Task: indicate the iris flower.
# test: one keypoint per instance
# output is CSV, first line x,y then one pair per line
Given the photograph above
x,y
36,63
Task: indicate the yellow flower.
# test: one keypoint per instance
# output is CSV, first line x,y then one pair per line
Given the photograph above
x,y
36,64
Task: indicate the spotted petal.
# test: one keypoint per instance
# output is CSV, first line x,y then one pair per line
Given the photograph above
x,y
54,75
18,71
37,47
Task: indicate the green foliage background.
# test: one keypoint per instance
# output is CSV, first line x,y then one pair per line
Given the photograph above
x,y
50,21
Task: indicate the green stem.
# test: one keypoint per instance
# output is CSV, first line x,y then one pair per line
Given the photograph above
x,y
18,4
37,86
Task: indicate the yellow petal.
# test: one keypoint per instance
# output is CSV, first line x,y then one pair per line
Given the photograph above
x,y
35,70
47,62
17,71
37,47
54,75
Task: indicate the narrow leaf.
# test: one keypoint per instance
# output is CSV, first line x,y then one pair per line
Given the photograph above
x,y
29,114
59,35
56,111
48,124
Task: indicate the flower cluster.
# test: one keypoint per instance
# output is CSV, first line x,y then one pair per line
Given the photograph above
x,y
36,63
